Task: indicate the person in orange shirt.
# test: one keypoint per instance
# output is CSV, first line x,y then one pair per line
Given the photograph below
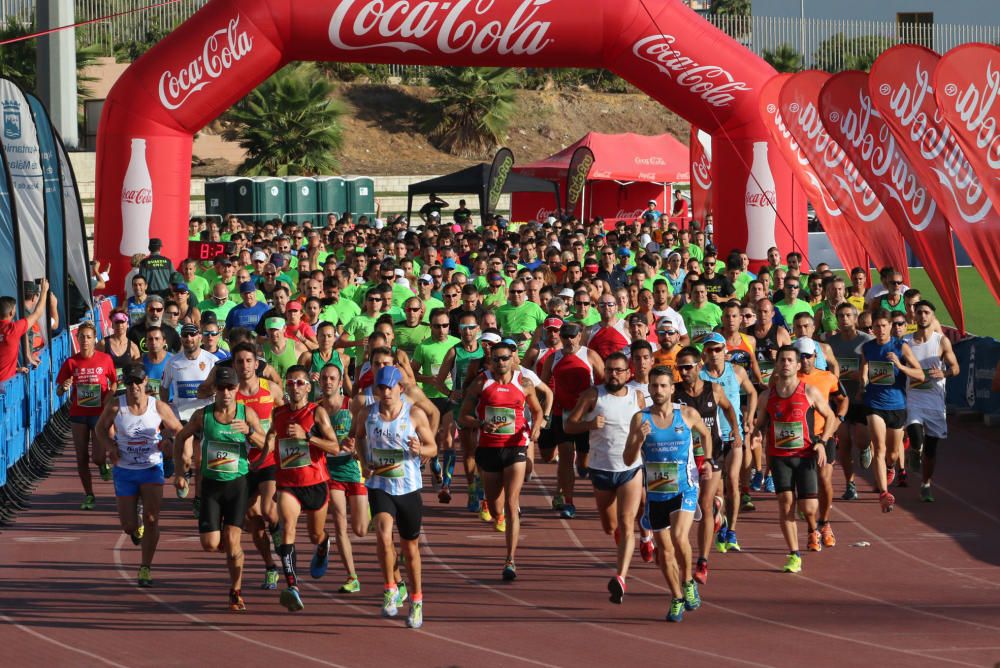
x,y
829,387
669,339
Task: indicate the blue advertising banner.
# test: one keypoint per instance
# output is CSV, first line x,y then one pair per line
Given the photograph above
x,y
970,389
9,274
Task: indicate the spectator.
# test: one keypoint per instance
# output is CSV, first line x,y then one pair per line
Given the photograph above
x,y
12,330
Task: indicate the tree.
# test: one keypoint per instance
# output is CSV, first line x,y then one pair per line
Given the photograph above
x,y
784,59
730,8
472,108
288,125
839,52
19,60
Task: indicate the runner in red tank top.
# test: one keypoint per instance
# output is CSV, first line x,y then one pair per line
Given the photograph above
x,y
783,415
262,513
302,435
569,372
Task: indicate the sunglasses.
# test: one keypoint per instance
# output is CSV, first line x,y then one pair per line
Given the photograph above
x,y
667,332
226,388
209,333
806,356
895,282
685,367
270,274
134,381
468,326
606,304
156,310
173,314
190,335
517,292
441,325
413,310
582,303
792,286
502,358
715,349
900,323
296,382
617,370
374,299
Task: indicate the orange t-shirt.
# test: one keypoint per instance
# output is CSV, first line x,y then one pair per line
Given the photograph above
x,y
668,358
828,386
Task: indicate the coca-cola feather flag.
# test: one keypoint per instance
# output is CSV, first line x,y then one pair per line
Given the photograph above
x,y
850,118
848,246
798,105
900,86
701,174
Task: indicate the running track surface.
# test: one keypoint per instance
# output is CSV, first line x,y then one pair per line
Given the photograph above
x,y
925,592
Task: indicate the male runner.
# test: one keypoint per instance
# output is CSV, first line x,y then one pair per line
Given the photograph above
x,y
227,430
606,412
664,436
495,404
783,414
392,436
611,333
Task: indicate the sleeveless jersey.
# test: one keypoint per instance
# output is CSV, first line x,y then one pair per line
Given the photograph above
x,y
828,387
121,361
154,373
262,404
931,392
502,405
704,404
607,340
317,364
741,353
886,383
848,354
138,436
668,358
223,449
767,348
788,433
643,389
607,445
281,361
460,366
572,374
731,386
668,458
299,464
396,469
343,467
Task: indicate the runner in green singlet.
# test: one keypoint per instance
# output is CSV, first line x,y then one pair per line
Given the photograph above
x,y
279,351
325,355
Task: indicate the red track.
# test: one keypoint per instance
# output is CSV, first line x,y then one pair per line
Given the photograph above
x,y
926,591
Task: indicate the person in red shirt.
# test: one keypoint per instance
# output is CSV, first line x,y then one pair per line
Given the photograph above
x,y
12,331
297,329
90,378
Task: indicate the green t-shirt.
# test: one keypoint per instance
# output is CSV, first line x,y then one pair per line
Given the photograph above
x,y
199,288
428,357
789,311
701,321
430,304
346,309
826,318
693,251
220,311
281,361
358,328
494,300
520,322
223,449
408,338
329,314
592,318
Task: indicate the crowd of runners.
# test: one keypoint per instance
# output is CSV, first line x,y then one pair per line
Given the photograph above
x,y
333,371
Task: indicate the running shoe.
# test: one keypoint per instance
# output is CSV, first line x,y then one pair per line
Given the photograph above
x,y
509,572
501,524
105,472
401,593
757,481
484,512
887,501
182,492
746,503
558,501
890,475
568,511
291,599
701,571
351,586
866,457
616,587
692,601
769,484
851,493
389,608
270,579
320,559
676,613
793,564
647,549
815,544
826,532
416,618
236,603
926,495
732,545
444,496
720,540
196,507
145,577
88,502
903,479
136,535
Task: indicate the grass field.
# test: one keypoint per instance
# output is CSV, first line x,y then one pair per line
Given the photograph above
x,y
982,313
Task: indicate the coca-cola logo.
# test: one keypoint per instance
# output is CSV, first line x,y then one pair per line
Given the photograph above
x,y
913,107
221,50
454,27
765,199
713,84
629,215
701,172
875,145
783,133
651,160
137,196
542,215
974,106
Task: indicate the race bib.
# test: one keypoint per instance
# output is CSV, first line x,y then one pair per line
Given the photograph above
x,y
766,370
88,395
293,453
881,373
502,420
698,333
662,477
926,384
848,365
153,386
788,435
699,449
388,462
222,458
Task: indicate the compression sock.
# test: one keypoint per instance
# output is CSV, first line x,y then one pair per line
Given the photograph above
x,y
435,465
449,467
287,554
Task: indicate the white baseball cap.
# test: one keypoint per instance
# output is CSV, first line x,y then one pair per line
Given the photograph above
x,y
260,256
805,346
426,278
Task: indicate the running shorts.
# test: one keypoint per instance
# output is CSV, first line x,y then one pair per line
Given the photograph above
x,y
554,435
349,488
128,481
795,474
495,460
406,510
894,419
609,481
658,513
223,502
310,497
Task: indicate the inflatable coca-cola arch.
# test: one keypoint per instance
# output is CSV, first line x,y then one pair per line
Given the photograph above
x,y
228,47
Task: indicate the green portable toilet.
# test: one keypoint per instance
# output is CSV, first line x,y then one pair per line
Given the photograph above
x,y
331,194
218,200
300,198
241,198
269,198
360,196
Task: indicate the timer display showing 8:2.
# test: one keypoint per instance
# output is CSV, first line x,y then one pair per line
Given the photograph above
x,y
205,250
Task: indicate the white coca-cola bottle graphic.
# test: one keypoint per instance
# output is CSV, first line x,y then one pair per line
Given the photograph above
x,y
760,205
137,202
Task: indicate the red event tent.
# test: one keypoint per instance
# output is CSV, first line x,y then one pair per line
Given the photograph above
x,y
628,171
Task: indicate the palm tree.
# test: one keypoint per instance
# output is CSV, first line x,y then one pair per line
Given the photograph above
x,y
784,59
288,125
19,60
472,108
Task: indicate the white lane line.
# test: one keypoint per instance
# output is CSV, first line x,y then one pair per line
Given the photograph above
x,y
53,641
243,637
970,506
